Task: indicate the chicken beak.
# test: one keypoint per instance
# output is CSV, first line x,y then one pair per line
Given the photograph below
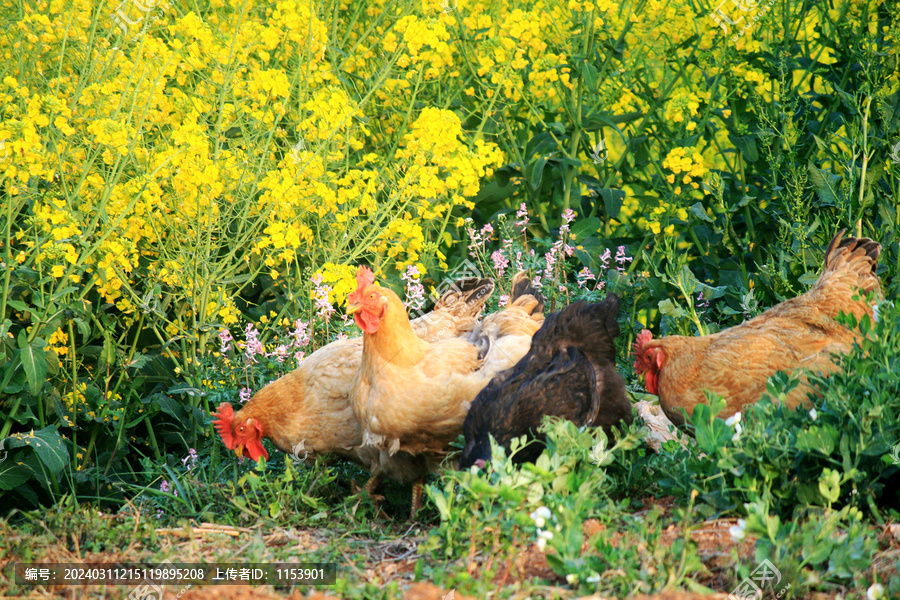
x,y
353,308
239,450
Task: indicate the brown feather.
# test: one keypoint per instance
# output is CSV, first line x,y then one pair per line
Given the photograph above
x,y
311,405
798,333
411,396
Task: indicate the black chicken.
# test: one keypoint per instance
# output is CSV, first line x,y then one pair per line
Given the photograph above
x,y
569,372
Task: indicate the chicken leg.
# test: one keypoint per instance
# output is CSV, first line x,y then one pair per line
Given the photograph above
x,y
418,491
370,487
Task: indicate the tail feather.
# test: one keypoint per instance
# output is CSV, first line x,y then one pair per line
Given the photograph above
x,y
523,313
859,255
521,287
466,297
591,326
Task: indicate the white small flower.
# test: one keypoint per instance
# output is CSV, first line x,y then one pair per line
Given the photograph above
x,y
540,516
735,421
875,591
739,531
595,578
813,414
895,154
599,454
572,578
543,537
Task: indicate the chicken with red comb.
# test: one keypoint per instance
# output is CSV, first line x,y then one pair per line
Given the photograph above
x,y
307,411
411,396
799,333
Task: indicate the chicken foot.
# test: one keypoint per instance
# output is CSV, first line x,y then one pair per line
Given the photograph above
x,y
370,487
418,492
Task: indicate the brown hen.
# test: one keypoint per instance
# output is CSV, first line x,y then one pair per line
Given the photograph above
x,y
411,396
798,333
307,411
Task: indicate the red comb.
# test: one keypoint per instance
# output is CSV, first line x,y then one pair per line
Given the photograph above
x,y
642,338
364,277
223,424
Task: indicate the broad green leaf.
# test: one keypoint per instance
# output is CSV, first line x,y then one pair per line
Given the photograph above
x,y
34,361
821,439
825,184
12,474
671,308
698,211
534,172
612,201
47,444
585,227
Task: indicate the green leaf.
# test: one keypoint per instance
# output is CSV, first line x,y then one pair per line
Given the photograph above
x,y
166,404
440,501
49,446
809,278
830,485
825,184
109,354
18,305
820,439
698,211
585,227
534,172
12,474
817,552
34,361
612,201
671,308
589,73
747,145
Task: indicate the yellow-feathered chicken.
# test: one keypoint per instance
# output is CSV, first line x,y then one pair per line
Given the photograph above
x,y
798,333
307,412
410,396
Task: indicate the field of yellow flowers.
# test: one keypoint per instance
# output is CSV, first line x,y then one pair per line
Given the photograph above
x,y
189,185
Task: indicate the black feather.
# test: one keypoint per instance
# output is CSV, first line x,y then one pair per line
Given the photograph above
x,y
569,372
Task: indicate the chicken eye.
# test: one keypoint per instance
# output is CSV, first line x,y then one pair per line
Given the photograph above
x,y
241,429
372,295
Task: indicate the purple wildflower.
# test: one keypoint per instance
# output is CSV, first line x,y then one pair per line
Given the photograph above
x,y
190,458
321,295
253,345
280,353
568,216
501,263
622,258
415,291
584,276
244,395
300,334
225,339
605,258
522,214
701,302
